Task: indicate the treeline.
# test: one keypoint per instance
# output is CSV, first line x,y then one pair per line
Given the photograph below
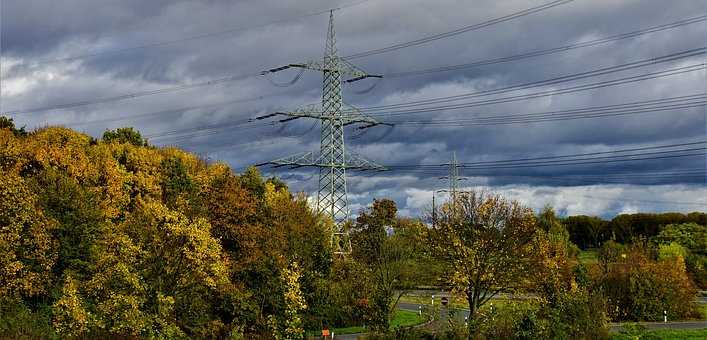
x,y
683,234
115,238
591,231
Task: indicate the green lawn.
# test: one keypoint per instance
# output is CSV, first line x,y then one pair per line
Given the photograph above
x,y
664,334
588,256
402,318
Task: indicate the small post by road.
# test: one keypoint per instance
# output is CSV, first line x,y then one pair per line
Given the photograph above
x,y
665,316
433,299
419,309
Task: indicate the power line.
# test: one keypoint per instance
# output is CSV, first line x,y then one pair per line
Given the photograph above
x,y
603,155
581,180
553,50
407,108
172,111
675,103
534,95
458,31
565,78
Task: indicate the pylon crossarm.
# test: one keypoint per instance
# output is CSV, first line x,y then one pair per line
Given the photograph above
x,y
352,115
338,65
299,160
355,115
356,161
282,68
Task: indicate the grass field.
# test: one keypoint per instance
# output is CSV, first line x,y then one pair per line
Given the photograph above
x,y
588,256
664,334
402,318
405,318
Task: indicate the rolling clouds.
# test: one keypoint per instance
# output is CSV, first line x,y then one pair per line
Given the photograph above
x,y
187,42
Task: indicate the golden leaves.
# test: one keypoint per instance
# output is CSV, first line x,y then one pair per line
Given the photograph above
x,y
27,252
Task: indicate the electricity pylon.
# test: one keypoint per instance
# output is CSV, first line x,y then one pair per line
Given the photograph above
x,y
332,160
453,177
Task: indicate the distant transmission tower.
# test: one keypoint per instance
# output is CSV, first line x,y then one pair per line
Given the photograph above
x,y
333,160
453,177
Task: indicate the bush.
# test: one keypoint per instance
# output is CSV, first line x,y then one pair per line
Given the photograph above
x,y
640,289
693,238
19,322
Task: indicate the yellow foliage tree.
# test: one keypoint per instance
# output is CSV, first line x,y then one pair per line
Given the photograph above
x,y
487,246
27,251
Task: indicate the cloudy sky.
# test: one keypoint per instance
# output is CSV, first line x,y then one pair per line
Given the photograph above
x,y
185,73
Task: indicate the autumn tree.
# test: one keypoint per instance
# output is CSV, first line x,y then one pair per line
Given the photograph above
x,y
693,238
486,244
160,272
27,251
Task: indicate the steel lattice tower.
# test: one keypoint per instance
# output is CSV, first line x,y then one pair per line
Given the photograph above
x,y
333,159
453,177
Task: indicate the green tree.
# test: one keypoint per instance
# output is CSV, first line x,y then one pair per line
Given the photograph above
x,y
556,231
8,123
124,135
79,216
587,231
381,243
175,182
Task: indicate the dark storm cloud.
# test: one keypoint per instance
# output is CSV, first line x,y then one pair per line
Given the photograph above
x,y
35,31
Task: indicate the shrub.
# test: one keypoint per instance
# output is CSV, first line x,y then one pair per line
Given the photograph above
x,y
640,289
17,321
693,238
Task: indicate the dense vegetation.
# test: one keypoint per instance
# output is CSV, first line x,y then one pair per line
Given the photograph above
x,y
114,238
